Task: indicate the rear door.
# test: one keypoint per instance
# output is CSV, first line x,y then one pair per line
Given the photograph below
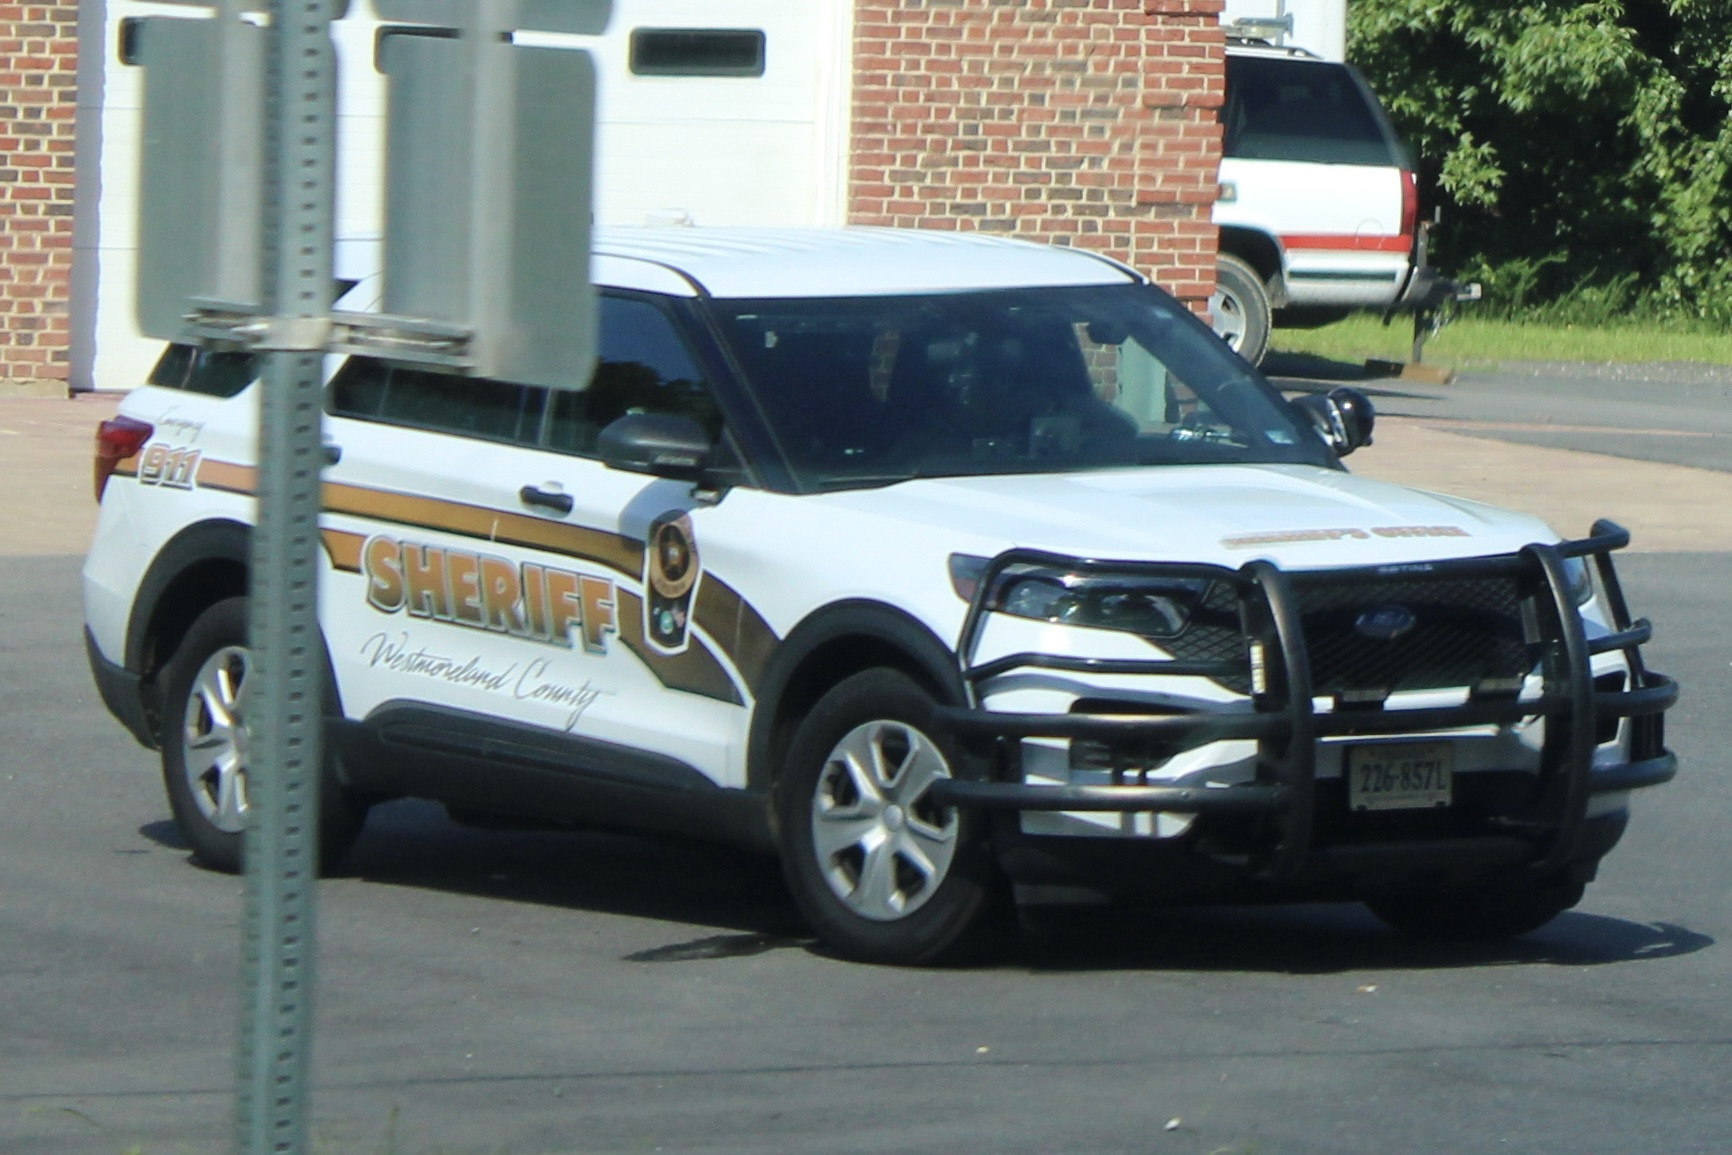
x,y
484,567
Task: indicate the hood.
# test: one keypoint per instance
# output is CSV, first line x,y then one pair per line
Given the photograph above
x,y
1300,517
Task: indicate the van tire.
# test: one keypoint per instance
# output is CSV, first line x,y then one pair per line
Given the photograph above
x,y
1241,308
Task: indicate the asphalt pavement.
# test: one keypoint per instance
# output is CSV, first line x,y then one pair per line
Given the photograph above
x,y
526,993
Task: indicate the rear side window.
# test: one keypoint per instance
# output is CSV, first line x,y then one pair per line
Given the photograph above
x,y
438,402
199,370
1305,110
644,367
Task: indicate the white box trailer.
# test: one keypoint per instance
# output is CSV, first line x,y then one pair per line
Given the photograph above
x,y
684,134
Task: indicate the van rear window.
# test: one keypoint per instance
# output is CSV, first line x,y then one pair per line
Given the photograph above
x,y
1305,110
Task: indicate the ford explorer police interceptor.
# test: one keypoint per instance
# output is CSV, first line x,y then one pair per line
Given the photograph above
x,y
930,563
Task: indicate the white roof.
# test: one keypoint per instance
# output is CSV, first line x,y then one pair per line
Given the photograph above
x,y
844,262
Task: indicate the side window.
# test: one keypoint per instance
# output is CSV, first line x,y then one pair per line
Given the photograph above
x,y
643,367
1141,385
439,402
197,370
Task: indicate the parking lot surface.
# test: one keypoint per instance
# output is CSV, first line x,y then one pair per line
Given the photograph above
x,y
524,993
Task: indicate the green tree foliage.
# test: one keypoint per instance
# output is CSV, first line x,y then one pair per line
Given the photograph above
x,y
1571,143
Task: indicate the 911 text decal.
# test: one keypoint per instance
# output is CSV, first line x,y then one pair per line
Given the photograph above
x,y
172,467
485,592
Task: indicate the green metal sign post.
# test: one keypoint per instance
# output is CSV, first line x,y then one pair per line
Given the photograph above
x,y
236,219
285,695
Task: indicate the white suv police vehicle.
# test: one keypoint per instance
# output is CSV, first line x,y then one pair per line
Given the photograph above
x,y
930,563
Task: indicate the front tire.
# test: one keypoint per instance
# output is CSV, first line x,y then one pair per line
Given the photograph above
x,y
205,748
1241,308
881,873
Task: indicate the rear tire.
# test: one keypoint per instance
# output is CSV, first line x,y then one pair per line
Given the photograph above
x,y
1495,910
205,747
880,873
1241,308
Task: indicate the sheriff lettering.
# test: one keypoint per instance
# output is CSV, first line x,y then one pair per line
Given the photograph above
x,y
486,592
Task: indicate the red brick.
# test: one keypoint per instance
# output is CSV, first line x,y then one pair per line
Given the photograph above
x,y
38,78
1070,121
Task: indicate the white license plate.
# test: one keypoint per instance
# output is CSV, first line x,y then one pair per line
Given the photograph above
x,y
1400,776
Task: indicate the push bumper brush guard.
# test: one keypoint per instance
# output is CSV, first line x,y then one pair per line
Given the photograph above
x,y
1545,835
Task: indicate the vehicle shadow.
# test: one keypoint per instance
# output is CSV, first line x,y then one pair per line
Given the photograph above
x,y
1321,938
741,900
165,834
1289,387
412,843
1313,367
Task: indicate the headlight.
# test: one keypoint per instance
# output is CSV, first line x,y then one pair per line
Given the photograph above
x,y
1153,607
1581,579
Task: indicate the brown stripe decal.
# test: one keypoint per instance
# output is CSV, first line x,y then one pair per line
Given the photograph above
x,y
696,671
222,475
744,636
344,549
612,550
737,628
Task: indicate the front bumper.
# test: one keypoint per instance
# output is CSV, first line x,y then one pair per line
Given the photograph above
x,y
1274,829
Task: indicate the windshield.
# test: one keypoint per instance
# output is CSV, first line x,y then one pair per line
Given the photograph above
x,y
874,390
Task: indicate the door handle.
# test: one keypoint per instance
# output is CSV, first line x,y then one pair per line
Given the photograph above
x,y
546,499
331,453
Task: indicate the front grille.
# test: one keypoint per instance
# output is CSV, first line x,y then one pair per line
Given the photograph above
x,y
1465,631
1214,635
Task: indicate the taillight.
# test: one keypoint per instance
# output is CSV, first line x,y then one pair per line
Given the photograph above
x,y
117,439
1409,206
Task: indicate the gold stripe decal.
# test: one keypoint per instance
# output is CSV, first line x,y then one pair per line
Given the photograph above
x,y
618,553
742,633
223,475
695,670
344,549
737,629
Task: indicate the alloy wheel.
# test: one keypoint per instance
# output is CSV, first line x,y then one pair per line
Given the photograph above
x,y
883,847
213,739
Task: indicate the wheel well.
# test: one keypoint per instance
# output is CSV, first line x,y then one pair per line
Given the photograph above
x,y
826,667
193,590
1258,250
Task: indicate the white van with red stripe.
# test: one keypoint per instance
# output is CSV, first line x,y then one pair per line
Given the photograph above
x,y
1318,209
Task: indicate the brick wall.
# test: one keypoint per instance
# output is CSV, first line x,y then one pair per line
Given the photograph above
x,y
1080,122
38,109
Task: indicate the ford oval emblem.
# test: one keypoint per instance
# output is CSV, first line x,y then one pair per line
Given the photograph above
x,y
1385,623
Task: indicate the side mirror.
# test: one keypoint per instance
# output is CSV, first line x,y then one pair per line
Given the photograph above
x,y
1343,419
659,444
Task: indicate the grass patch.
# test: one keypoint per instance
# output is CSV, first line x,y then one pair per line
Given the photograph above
x,y
1470,340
